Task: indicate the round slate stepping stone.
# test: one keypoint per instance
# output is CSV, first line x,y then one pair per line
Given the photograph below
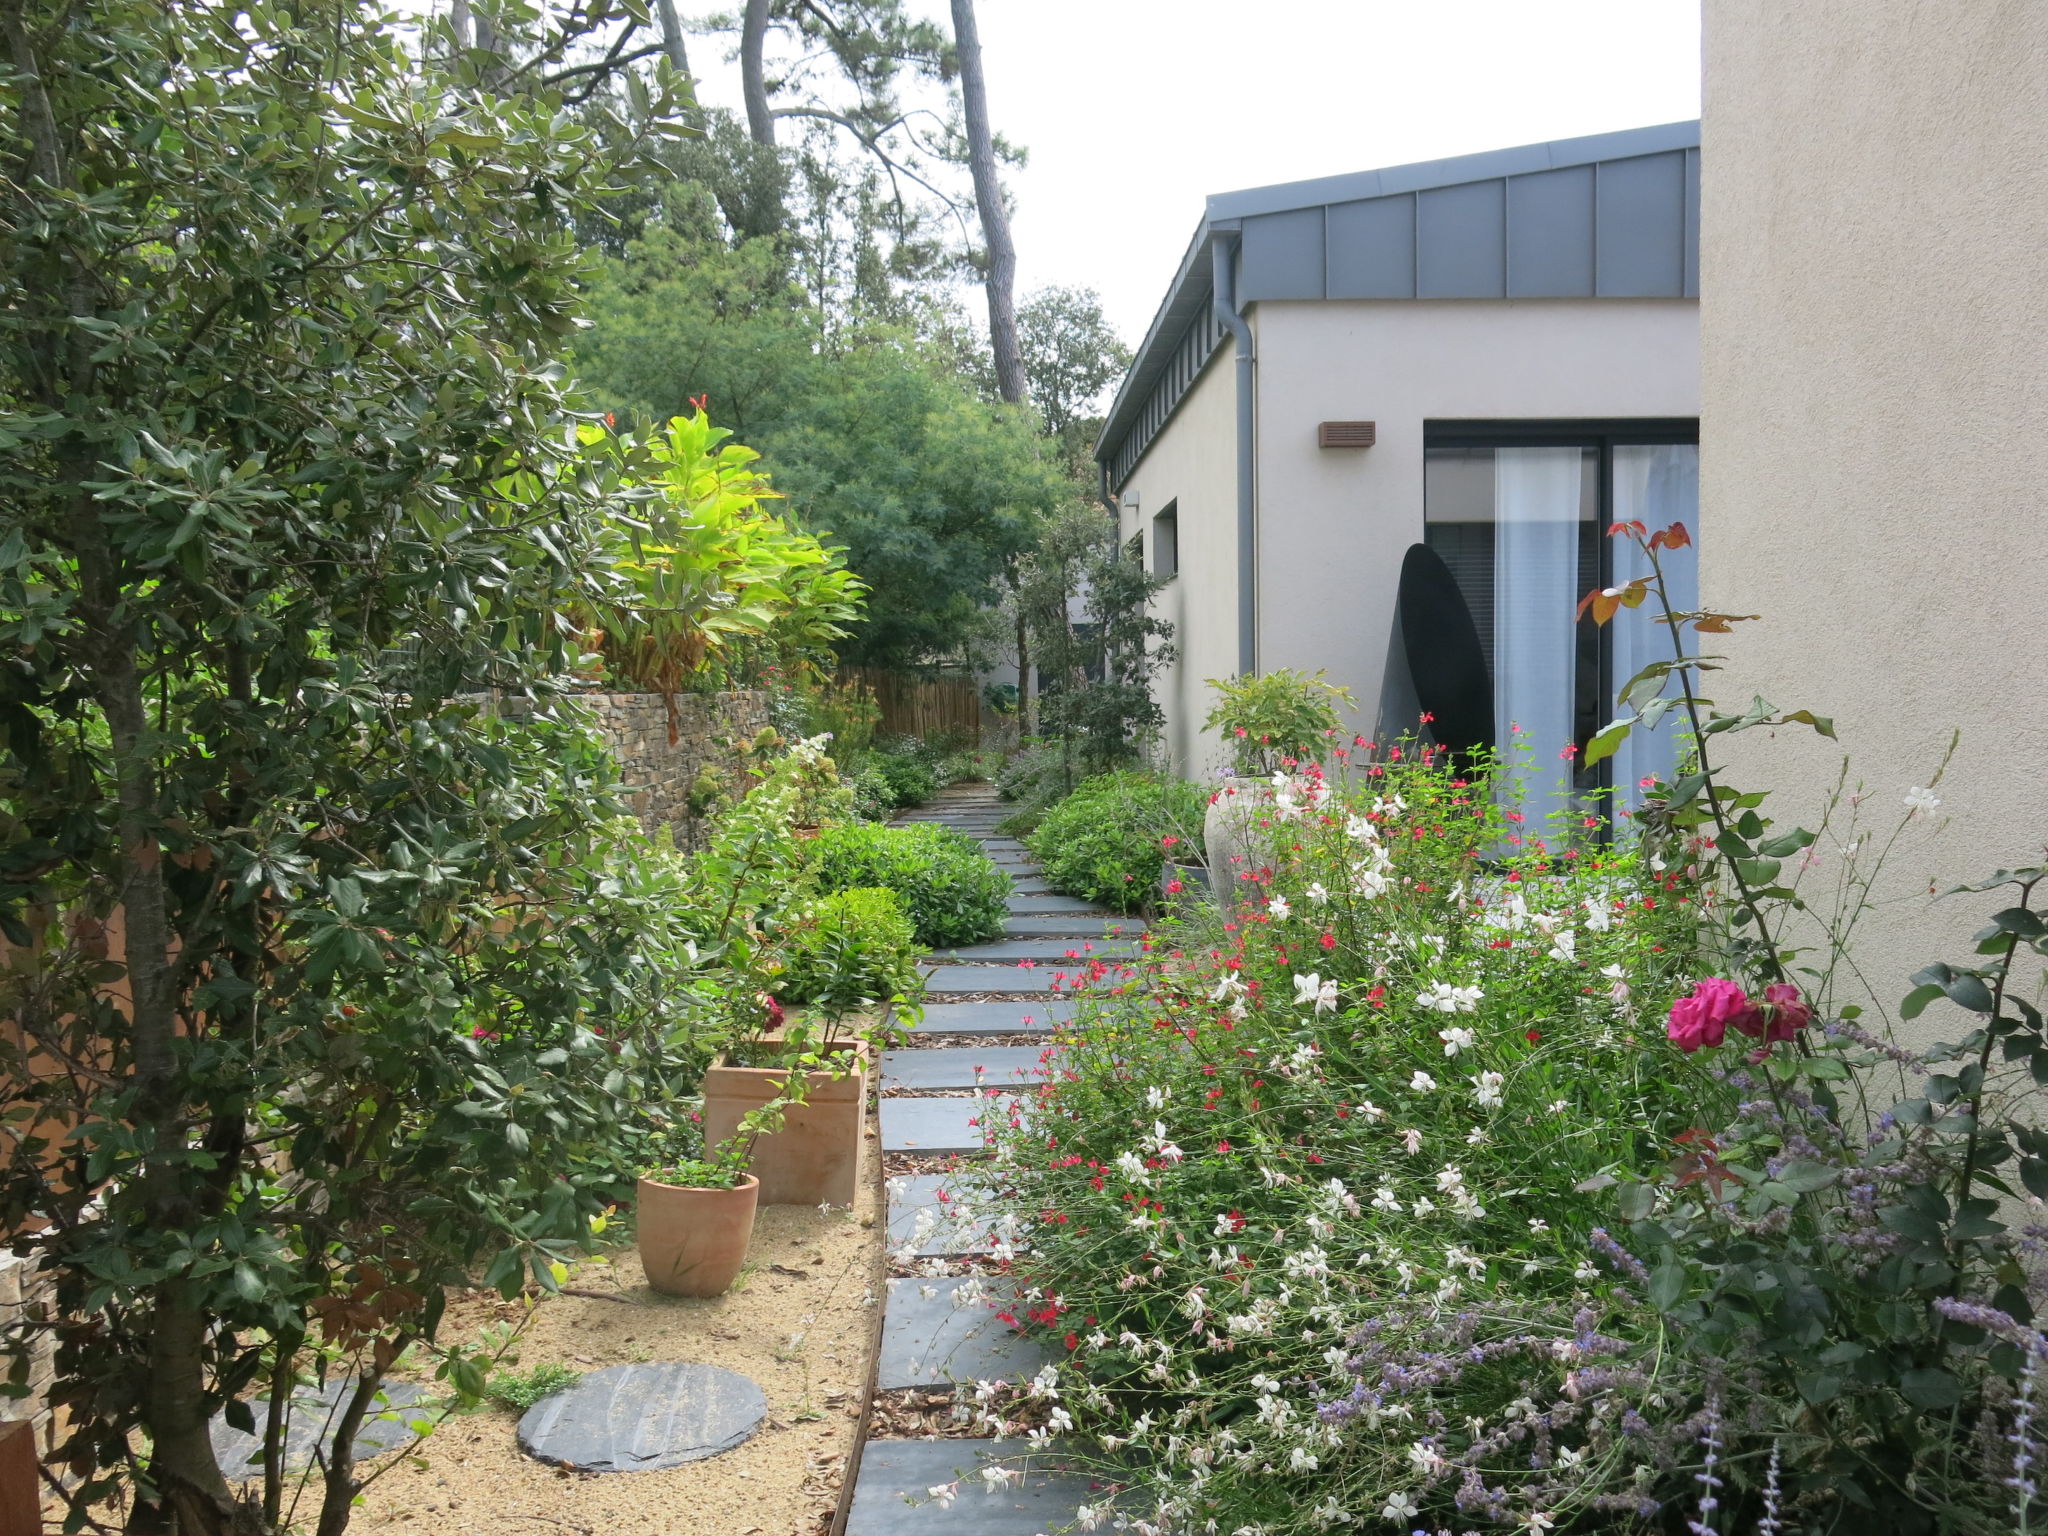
x,y
643,1418
309,1424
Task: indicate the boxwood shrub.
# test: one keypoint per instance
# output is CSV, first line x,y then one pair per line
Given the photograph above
x,y
912,780
1107,840
951,891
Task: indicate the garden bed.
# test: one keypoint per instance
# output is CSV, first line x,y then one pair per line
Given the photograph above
x,y
799,1324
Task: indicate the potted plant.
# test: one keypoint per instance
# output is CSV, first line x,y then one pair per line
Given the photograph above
x,y
817,1070
694,1210
1269,723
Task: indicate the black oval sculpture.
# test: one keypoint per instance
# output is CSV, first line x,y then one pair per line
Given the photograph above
x,y
1445,661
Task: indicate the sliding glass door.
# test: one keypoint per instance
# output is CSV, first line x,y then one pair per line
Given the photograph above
x,y
1518,512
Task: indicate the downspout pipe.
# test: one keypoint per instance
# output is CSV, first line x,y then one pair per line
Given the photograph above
x,y
1223,269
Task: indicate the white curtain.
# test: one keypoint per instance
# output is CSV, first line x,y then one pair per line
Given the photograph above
x,y
1535,576
1657,485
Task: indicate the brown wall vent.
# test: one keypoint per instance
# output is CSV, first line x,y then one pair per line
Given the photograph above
x,y
1345,434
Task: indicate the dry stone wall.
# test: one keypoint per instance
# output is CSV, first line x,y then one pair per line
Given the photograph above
x,y
673,784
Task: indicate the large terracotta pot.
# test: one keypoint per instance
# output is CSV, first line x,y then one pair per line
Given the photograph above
x,y
815,1157
693,1241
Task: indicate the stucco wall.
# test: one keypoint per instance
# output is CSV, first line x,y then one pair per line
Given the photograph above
x,y
1335,523
1194,464
1874,441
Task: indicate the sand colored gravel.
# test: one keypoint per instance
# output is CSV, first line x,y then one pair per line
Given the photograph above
x,y
800,1326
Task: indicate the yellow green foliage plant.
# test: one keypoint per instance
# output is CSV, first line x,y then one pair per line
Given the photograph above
x,y
700,568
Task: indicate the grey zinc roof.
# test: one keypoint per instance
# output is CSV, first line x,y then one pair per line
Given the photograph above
x,y
1613,215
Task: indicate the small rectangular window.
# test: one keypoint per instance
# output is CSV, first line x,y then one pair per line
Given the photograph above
x,y
1166,541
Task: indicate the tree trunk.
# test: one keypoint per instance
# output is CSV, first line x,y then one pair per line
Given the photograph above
x,y
337,1501
672,38
458,21
1023,677
753,82
999,276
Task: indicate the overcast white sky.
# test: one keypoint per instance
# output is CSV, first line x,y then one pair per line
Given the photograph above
x,y
1135,110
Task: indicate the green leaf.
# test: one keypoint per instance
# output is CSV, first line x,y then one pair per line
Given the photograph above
x,y
1757,871
1917,1000
1806,1177
1667,1284
1907,1222
1686,789
1820,723
1607,741
1931,1389
1818,1387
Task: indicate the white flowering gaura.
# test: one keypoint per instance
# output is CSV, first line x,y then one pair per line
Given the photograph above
x,y
1422,1082
1918,799
1442,997
1455,1040
1487,1089
1313,989
1279,909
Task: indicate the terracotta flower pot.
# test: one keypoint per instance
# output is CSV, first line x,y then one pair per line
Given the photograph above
x,y
693,1241
815,1157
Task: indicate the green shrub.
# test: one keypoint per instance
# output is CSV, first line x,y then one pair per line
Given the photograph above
x,y
1107,841
910,778
848,950
951,891
520,1390
1034,780
874,798
1276,717
970,766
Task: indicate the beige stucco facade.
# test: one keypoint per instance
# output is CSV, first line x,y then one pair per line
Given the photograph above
x,y
1192,466
1874,430
1333,524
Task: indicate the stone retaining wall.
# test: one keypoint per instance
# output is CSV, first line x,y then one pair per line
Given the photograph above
x,y
26,1296
674,784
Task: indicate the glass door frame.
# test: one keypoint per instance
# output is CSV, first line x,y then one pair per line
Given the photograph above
x,y
1603,435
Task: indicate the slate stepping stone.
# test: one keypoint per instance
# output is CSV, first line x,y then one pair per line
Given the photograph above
x,y
1030,885
1028,1016
932,1125
1035,905
1046,951
941,1235
954,1067
1077,925
643,1418
309,1423
995,845
929,1340
891,1494
992,978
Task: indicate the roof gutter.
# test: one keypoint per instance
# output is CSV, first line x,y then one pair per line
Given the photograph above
x,y
1223,271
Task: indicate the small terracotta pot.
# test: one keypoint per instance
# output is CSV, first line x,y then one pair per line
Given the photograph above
x,y
815,1157
693,1241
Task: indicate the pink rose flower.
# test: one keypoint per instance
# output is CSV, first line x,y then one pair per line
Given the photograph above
x,y
1780,1015
1703,1016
